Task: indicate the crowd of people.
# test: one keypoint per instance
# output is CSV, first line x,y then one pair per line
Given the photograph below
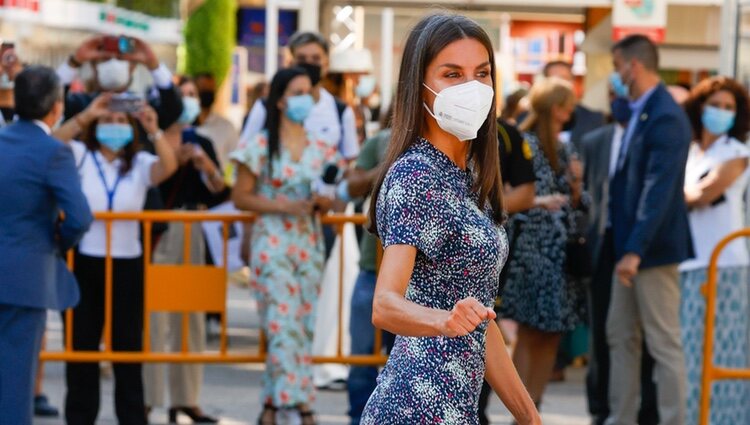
x,y
547,214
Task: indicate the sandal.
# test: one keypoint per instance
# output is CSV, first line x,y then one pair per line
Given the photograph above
x,y
268,415
307,415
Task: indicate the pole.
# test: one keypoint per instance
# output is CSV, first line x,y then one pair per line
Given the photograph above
x,y
272,38
386,58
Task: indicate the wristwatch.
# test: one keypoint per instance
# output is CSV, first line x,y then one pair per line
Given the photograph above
x,y
153,137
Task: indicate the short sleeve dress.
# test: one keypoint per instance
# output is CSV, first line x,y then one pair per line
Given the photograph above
x,y
286,265
539,293
426,201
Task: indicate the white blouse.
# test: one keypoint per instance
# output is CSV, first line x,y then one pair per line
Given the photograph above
x,y
127,193
712,223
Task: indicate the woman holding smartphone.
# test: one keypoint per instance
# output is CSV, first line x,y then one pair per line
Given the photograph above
x,y
115,175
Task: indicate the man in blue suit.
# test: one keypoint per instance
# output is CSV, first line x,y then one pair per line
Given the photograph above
x,y
43,213
650,237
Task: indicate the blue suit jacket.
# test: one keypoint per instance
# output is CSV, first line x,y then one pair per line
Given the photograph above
x,y
647,203
39,180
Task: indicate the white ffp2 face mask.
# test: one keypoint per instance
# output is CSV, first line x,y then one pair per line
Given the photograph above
x,y
462,109
113,74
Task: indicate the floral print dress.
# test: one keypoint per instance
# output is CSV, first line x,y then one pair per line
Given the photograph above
x,y
286,265
427,202
538,293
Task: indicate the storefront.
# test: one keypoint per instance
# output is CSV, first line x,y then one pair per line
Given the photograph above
x,y
47,31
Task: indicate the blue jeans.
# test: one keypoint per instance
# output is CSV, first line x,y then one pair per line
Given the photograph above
x,y
363,379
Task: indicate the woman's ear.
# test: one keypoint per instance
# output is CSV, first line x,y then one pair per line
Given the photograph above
x,y
281,104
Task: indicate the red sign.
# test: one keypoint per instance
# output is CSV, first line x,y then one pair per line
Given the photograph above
x,y
32,5
656,35
647,17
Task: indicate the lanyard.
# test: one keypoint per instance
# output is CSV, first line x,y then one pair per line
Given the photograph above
x,y
110,192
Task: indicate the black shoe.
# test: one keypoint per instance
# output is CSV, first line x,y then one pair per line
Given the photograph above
x,y
194,413
43,408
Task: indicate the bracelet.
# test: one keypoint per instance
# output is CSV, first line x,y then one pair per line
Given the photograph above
x,y
153,137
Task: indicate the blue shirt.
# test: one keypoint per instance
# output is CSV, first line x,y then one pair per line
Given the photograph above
x,y
636,107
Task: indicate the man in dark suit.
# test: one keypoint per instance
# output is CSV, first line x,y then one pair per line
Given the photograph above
x,y
43,214
599,150
650,237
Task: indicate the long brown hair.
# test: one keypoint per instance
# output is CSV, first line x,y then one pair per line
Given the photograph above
x,y
126,154
543,96
430,36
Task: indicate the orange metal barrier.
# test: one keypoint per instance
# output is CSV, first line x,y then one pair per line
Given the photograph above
x,y
188,288
712,372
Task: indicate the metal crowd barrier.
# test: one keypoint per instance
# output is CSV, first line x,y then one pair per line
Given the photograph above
x,y
712,372
187,288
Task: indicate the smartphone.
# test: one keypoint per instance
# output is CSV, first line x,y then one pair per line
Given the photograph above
x,y
129,103
9,58
125,45
189,136
110,44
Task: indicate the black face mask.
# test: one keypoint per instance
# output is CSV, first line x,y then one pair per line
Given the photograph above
x,y
207,98
313,71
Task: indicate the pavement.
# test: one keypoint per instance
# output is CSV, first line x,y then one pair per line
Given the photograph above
x,y
232,391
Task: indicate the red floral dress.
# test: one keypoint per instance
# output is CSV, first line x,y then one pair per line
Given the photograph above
x,y
286,266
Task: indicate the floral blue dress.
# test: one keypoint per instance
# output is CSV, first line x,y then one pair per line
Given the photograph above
x,y
426,201
286,267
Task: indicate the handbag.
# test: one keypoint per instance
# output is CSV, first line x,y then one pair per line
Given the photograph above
x,y
577,257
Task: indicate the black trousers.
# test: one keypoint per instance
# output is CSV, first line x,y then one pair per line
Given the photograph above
x,y
82,379
597,376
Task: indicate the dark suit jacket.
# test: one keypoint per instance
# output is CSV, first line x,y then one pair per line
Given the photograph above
x,y
39,181
647,205
586,121
596,147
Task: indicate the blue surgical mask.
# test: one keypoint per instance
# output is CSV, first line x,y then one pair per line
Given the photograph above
x,y
717,121
365,87
621,89
621,111
114,136
299,107
191,108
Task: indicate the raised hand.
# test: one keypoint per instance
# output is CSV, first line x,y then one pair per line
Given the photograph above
x,y
466,315
142,54
91,50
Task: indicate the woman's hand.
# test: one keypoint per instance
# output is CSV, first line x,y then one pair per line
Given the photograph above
x,y
466,315
322,204
299,208
201,161
148,119
551,202
96,109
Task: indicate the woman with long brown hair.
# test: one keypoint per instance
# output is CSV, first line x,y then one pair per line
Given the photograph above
x,y
438,212
538,294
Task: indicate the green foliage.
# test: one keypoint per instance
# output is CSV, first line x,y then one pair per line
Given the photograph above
x,y
210,38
